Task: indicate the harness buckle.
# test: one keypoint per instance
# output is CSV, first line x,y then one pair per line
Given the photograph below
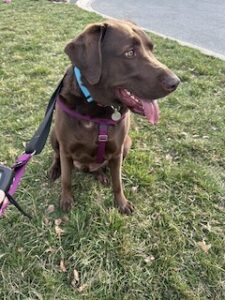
x,y
103,138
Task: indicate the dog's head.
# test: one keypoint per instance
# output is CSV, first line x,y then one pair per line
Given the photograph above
x,y
118,66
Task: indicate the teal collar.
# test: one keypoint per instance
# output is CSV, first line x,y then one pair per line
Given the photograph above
x,y
83,88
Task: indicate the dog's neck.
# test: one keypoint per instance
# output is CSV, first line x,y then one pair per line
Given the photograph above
x,y
73,97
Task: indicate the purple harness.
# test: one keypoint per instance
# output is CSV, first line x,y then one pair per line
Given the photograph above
x,y
103,125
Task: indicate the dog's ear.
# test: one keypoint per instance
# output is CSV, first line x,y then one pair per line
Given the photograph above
x,y
85,52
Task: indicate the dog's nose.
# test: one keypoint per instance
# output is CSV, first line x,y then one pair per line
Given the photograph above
x,y
170,82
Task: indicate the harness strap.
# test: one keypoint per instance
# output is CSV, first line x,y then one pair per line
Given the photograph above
x,y
102,140
102,128
75,114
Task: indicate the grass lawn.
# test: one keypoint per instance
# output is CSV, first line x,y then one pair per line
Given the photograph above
x,y
172,247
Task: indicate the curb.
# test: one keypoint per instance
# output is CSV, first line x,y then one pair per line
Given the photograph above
x,y
87,5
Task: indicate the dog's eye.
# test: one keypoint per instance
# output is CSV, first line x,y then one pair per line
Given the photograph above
x,y
129,54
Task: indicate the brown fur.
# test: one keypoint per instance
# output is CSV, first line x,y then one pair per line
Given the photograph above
x,y
99,53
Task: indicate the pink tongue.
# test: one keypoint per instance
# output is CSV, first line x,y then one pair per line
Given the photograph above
x,y
151,110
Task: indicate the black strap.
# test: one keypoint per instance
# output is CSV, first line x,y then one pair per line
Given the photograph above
x,y
13,201
37,142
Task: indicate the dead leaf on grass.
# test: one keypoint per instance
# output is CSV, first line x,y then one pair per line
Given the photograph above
x,y
58,222
204,246
59,231
46,221
149,258
62,266
75,279
82,287
134,189
51,208
183,134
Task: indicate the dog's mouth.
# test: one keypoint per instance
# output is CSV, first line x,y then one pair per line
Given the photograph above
x,y
148,108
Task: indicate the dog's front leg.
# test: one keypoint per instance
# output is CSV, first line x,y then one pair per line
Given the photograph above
x,y
115,165
66,173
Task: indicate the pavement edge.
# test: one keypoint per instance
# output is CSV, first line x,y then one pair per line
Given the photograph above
x,y
87,5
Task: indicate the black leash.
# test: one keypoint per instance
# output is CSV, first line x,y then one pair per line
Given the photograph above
x,y
10,178
38,141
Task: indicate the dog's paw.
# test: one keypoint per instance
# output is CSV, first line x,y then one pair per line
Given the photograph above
x,y
126,208
66,203
54,172
102,178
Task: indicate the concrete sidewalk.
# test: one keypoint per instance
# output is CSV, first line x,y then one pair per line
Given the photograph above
x,y
198,24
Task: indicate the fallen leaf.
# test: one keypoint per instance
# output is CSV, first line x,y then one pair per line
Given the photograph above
x,y
59,231
183,133
204,246
51,208
62,266
58,222
82,287
134,189
149,258
75,281
46,221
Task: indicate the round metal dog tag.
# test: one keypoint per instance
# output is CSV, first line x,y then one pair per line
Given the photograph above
x,y
116,116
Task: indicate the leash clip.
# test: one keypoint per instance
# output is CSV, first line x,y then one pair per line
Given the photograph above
x,y
33,153
103,138
23,161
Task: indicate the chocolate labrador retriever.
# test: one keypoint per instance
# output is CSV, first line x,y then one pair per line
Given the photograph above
x,y
113,72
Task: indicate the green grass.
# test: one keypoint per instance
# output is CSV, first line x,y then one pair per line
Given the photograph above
x,y
177,167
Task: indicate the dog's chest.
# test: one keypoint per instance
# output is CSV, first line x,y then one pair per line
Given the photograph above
x,y
91,167
84,153
83,147
80,141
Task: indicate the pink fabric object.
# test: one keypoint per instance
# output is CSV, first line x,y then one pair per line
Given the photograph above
x,y
7,1
19,167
